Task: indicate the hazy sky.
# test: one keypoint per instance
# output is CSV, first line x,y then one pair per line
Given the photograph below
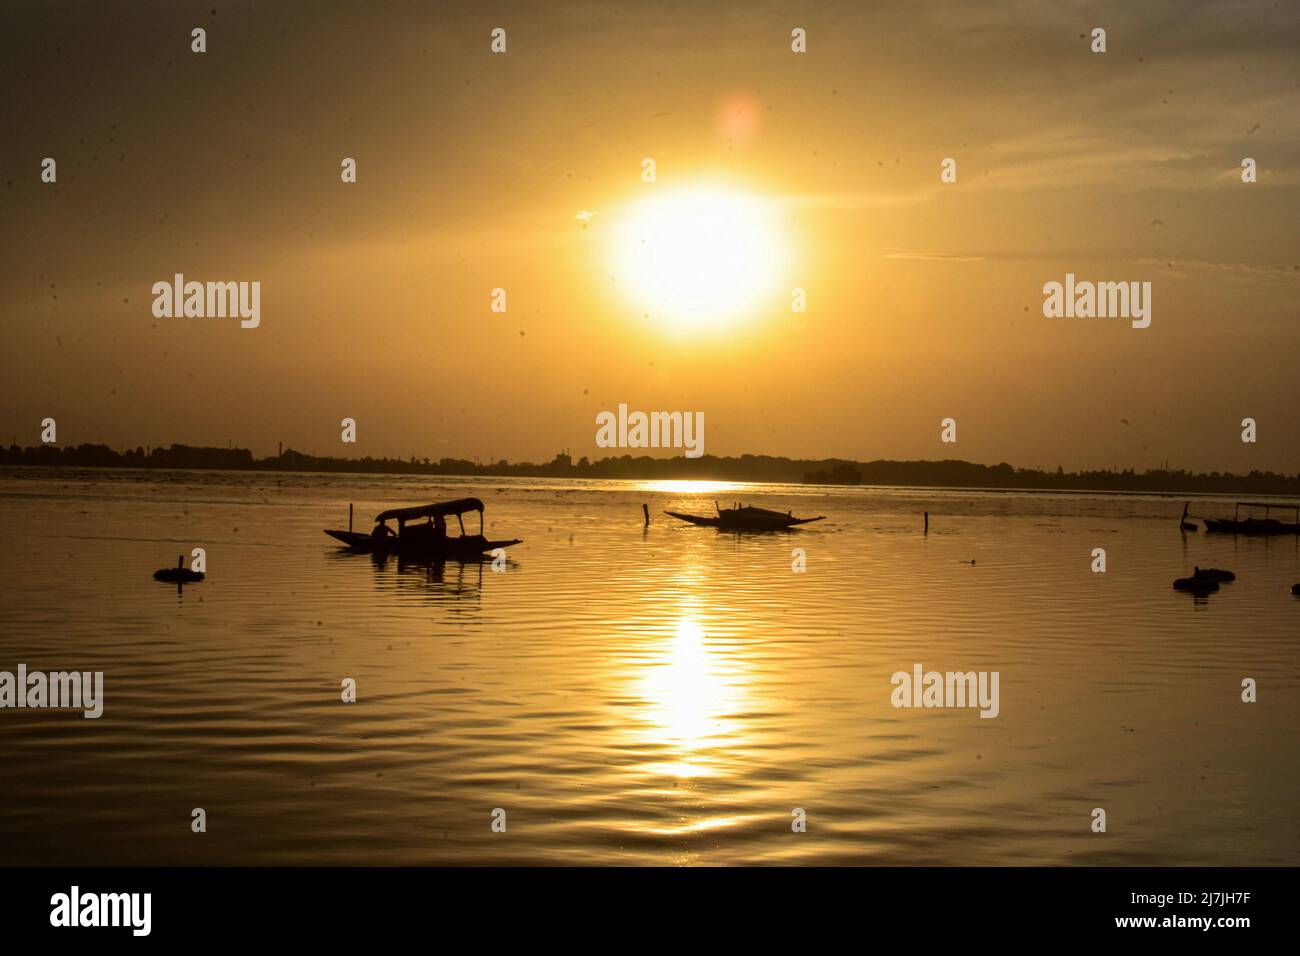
x,y
924,299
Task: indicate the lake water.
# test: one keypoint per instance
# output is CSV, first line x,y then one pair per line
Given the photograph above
x,y
627,695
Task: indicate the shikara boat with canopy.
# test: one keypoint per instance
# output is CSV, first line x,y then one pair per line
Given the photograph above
x,y
421,533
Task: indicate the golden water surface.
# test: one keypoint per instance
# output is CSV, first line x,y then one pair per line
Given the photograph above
x,y
665,695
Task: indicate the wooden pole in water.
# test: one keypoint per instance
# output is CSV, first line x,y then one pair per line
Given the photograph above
x,y
349,516
646,508
927,522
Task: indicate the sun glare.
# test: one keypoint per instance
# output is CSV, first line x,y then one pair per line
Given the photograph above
x,y
691,691
687,486
698,257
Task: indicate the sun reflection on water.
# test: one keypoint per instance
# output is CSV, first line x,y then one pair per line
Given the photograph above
x,y
691,689
689,487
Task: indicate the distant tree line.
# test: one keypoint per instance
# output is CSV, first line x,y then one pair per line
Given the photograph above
x,y
949,473
953,473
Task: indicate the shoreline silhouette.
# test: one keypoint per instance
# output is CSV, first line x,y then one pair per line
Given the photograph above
x,y
945,473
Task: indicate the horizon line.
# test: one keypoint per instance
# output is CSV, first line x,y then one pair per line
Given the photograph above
x,y
777,469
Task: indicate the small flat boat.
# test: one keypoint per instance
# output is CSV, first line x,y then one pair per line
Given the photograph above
x,y
747,518
1266,525
1196,585
425,541
1251,526
1212,574
179,574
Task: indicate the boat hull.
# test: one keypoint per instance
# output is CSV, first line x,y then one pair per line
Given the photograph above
x,y
1194,585
178,576
737,520
1250,526
472,547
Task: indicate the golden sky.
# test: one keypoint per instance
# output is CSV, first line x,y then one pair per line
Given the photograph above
x,y
924,299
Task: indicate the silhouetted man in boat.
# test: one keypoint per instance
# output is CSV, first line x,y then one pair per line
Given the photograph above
x,y
439,528
381,531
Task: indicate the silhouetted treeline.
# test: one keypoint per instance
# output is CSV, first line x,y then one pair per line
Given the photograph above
x,y
953,473
950,473
101,456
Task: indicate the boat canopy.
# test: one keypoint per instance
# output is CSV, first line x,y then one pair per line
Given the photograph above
x,y
457,508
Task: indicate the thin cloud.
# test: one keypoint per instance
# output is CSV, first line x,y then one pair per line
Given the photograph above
x,y
932,257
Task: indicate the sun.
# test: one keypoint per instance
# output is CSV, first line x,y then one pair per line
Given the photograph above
x,y
698,257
